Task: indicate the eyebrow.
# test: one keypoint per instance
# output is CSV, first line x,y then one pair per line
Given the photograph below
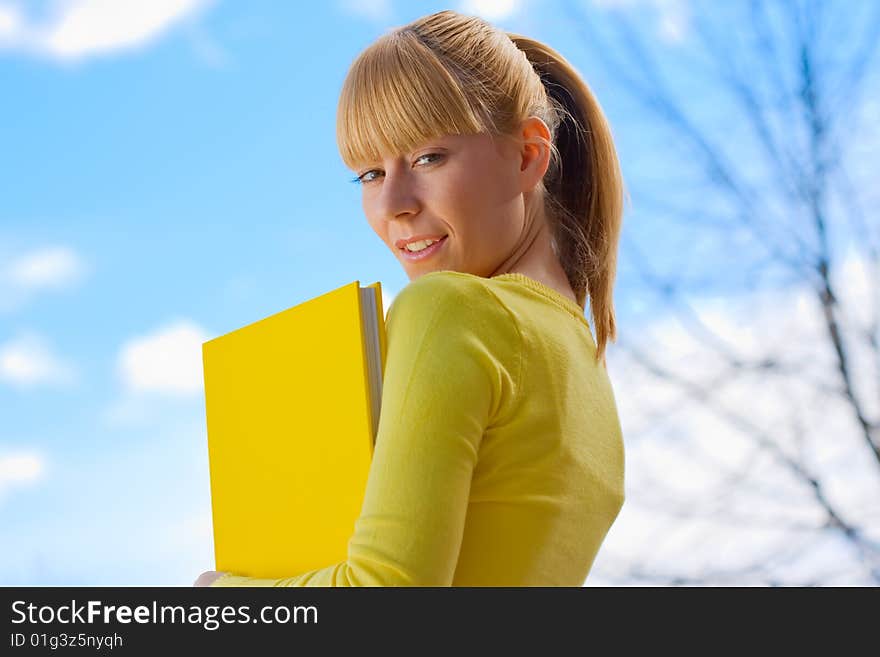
x,y
428,144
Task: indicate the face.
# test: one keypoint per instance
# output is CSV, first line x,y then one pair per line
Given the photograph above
x,y
467,190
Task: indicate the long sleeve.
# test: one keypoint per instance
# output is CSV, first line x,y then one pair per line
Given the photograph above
x,y
451,369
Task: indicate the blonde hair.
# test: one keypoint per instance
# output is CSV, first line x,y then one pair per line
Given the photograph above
x,y
448,73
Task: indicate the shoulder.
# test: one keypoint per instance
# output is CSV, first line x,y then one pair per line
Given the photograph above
x,y
445,294
454,324
453,301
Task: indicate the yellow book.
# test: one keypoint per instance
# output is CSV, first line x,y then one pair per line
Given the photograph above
x,y
292,405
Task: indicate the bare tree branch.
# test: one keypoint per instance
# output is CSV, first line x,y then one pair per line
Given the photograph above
x,y
788,77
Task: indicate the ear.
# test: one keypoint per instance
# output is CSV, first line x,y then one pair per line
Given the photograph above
x,y
534,153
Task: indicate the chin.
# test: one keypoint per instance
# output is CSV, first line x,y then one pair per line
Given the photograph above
x,y
413,275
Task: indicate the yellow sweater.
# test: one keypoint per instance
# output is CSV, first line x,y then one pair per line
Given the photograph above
x,y
499,458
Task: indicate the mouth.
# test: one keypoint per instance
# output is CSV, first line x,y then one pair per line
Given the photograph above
x,y
427,252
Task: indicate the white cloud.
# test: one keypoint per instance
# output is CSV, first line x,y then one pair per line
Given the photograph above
x,y
56,266
10,22
27,361
380,11
690,472
168,360
52,267
161,374
78,28
490,10
47,268
672,16
672,22
20,469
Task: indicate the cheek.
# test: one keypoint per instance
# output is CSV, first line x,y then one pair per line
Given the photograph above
x,y
379,227
483,209
486,189
461,197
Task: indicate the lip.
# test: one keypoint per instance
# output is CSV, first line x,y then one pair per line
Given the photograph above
x,y
424,253
416,238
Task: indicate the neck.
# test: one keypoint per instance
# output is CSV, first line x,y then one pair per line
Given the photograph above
x,y
535,258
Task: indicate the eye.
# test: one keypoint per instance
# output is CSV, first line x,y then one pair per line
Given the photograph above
x,y
429,155
365,179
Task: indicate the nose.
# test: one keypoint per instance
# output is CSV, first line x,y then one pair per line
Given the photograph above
x,y
398,196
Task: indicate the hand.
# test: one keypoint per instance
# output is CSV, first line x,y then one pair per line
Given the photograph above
x,y
207,577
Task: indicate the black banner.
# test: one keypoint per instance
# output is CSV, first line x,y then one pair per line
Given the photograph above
x,y
145,620
135,620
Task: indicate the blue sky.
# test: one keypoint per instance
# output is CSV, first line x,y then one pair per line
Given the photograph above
x,y
168,175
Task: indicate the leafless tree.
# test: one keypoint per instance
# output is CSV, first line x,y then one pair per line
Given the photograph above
x,y
761,211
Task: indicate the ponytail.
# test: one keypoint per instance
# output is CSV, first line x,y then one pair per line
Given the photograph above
x,y
583,186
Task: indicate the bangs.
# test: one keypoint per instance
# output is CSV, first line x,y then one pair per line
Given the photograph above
x,y
396,96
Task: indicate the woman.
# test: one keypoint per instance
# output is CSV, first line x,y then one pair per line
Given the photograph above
x,y
489,170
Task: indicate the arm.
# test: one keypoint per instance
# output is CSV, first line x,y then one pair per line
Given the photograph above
x,y
442,388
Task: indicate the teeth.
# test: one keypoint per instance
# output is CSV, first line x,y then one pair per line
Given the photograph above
x,y
418,246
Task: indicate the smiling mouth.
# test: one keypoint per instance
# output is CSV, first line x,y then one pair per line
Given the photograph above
x,y
435,241
424,253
